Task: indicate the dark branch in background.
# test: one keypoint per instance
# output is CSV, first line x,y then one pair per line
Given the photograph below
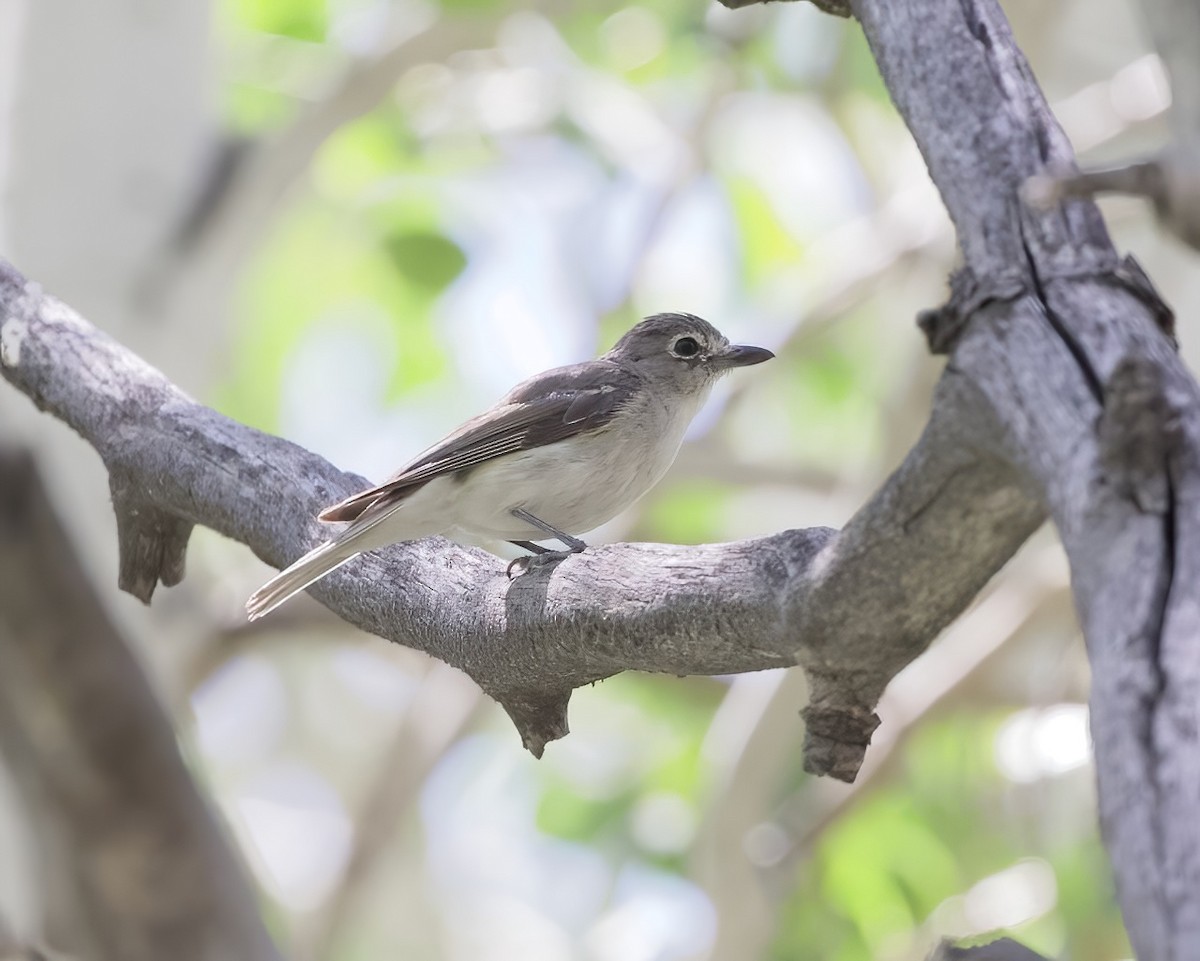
x,y
242,188
839,8
1005,949
137,867
852,607
1170,180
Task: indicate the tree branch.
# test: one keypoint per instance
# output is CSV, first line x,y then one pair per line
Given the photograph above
x,y
970,648
853,608
1060,394
138,867
1171,179
839,8
1004,949
1094,407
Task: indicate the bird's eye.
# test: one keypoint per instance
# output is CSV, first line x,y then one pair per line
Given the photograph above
x,y
685,347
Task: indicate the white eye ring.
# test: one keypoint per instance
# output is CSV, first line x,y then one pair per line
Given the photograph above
x,y
685,346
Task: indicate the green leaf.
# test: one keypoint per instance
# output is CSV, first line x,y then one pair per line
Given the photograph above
x,y
688,512
250,109
299,19
566,814
469,6
427,259
766,243
360,157
321,264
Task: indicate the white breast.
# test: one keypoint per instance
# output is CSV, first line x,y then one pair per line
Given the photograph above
x,y
576,484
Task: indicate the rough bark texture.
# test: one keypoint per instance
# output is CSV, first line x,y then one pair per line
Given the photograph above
x,y
1062,395
1060,341
136,865
853,608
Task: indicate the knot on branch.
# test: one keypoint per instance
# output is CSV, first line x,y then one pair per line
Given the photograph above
x,y
969,293
837,8
1135,434
836,739
540,716
151,542
1130,276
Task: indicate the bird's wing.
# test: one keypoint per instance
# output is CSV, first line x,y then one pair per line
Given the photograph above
x,y
545,409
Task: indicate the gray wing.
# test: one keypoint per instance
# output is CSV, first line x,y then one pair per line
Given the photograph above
x,y
545,409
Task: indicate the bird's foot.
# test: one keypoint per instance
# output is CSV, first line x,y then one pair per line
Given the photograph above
x,y
523,565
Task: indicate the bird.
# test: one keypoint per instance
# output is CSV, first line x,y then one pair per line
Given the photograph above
x,y
560,454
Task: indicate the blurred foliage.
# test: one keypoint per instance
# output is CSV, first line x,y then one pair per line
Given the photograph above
x,y
521,203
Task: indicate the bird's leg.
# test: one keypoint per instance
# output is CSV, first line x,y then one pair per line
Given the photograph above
x,y
541,555
574,544
530,546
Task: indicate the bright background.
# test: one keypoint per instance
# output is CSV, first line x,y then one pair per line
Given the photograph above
x,y
430,202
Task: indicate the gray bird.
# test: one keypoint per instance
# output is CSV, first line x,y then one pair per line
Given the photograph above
x,y
558,455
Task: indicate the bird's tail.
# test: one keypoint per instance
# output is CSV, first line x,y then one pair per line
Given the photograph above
x,y
292,580
364,534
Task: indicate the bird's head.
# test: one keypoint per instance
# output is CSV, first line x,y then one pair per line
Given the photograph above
x,y
682,349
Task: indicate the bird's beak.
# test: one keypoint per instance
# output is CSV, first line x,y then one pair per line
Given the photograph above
x,y
739,355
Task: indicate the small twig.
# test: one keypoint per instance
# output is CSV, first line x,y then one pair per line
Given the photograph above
x,y
1170,181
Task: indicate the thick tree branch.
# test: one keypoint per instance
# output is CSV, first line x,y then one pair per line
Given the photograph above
x,y
1093,406
1060,394
853,608
138,867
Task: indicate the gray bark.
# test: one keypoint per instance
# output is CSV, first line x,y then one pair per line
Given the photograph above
x,y
853,607
1062,396
1091,404
136,865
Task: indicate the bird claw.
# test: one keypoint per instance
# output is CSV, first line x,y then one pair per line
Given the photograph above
x,y
530,562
